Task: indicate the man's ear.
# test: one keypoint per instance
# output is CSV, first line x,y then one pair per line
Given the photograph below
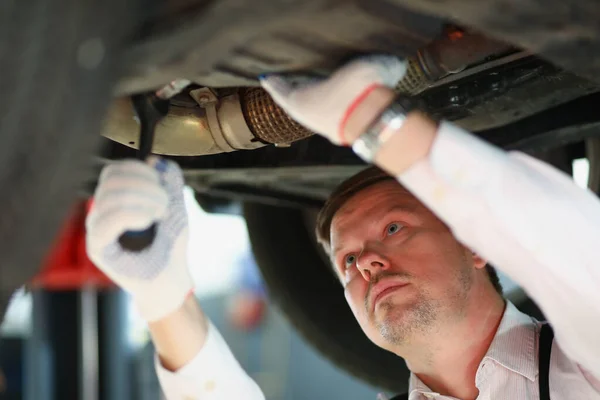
x,y
478,262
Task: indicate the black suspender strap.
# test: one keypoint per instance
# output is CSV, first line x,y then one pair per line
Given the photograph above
x,y
545,348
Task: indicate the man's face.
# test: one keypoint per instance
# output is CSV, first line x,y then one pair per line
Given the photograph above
x,y
404,273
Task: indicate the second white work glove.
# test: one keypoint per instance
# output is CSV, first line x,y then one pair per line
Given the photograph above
x,y
131,196
324,105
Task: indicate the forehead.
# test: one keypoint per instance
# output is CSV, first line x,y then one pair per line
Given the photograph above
x,y
370,202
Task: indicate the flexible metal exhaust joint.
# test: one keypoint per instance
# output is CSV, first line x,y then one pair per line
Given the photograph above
x,y
268,121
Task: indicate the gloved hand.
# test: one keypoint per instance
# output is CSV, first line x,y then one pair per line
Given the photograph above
x,y
324,105
130,196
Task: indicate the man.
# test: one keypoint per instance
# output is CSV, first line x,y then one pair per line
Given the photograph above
x,y
412,257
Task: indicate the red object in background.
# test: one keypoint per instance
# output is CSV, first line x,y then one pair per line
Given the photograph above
x,y
246,310
455,33
67,266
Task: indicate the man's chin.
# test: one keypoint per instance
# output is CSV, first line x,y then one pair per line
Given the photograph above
x,y
392,308
394,321
390,314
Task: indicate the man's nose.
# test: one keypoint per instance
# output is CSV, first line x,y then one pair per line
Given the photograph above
x,y
370,262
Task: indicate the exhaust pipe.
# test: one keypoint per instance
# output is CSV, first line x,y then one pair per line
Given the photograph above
x,y
446,56
183,132
242,121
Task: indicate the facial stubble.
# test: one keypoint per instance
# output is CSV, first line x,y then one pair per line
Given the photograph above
x,y
399,323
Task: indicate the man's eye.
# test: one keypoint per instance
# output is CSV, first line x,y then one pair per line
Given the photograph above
x,y
349,260
393,228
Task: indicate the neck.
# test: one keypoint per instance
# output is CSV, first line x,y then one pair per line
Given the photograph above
x,y
447,360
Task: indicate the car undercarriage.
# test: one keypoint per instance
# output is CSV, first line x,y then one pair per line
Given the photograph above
x,y
514,100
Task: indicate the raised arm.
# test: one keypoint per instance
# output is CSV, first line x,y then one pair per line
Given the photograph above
x,y
528,219
193,361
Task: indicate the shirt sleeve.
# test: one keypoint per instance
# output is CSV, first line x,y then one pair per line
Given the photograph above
x,y
214,374
527,219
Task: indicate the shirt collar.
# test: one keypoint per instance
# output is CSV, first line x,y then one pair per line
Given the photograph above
x,y
513,347
416,388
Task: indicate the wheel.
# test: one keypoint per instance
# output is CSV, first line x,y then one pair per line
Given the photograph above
x,y
302,283
58,59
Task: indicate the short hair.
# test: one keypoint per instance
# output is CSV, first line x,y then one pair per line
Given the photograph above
x,y
350,187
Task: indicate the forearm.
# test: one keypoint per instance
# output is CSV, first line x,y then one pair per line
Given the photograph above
x,y
193,360
179,336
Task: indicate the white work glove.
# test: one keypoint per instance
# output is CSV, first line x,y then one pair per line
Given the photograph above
x,y
324,105
131,196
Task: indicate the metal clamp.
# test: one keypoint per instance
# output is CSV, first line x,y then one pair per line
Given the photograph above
x,y
226,121
207,99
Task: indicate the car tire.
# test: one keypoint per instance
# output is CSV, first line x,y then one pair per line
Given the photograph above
x,y
303,285
57,62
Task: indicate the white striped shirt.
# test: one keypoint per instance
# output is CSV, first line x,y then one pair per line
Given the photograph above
x,y
509,369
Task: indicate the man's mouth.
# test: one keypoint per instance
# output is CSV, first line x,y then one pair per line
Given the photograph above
x,y
384,288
